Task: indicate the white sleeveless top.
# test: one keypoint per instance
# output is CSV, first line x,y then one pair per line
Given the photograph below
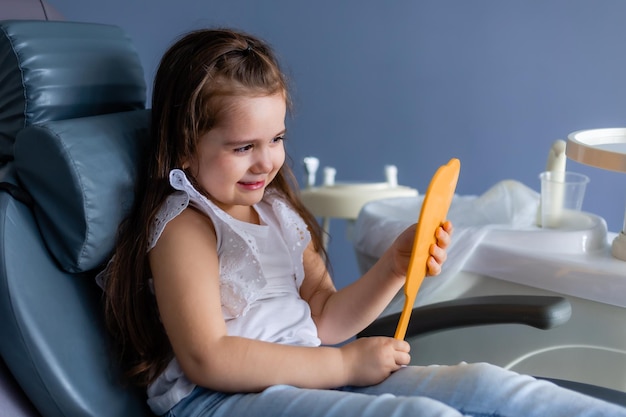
x,y
260,276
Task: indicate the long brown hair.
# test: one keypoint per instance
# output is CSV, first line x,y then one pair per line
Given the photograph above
x,y
193,77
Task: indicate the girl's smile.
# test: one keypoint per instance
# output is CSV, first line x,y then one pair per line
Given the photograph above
x,y
252,185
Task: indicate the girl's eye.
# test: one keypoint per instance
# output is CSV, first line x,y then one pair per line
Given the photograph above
x,y
243,149
278,138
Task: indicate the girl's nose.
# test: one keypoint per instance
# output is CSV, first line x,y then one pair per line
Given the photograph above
x,y
263,161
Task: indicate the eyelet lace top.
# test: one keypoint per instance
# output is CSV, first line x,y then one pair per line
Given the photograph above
x,y
241,276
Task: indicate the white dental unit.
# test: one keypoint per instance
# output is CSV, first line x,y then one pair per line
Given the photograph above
x,y
499,249
344,200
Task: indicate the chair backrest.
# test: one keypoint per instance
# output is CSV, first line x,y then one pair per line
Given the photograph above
x,y
72,125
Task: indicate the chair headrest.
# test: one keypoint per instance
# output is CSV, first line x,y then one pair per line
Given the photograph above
x,y
81,175
56,70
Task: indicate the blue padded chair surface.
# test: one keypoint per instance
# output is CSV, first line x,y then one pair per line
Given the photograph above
x,y
81,174
51,332
84,82
64,70
52,336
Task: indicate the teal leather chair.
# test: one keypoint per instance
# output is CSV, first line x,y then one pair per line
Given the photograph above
x,y
71,96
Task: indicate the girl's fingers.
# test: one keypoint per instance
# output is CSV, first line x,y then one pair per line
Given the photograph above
x,y
401,355
402,358
443,235
433,267
402,345
438,253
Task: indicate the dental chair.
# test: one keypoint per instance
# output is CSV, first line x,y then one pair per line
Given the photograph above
x,y
72,96
73,124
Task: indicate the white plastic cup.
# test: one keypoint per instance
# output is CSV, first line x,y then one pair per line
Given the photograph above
x,y
562,195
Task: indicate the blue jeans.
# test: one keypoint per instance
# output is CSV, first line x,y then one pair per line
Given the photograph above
x,y
477,390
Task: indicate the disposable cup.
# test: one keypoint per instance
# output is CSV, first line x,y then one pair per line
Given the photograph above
x,y
562,195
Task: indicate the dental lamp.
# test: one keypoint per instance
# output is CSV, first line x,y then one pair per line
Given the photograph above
x,y
605,149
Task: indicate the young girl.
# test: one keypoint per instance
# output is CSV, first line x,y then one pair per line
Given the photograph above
x,y
218,298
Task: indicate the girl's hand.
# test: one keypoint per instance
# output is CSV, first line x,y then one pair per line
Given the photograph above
x,y
403,246
370,360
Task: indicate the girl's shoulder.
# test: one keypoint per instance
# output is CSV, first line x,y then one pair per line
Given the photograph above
x,y
171,208
184,197
188,231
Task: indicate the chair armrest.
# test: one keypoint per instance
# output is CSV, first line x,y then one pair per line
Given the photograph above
x,y
542,312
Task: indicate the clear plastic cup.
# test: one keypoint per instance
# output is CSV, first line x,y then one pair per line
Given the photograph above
x,y
562,195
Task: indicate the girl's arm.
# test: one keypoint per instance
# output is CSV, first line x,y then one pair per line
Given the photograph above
x,y
184,264
341,314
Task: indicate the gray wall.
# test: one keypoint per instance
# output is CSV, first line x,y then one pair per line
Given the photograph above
x,y
413,83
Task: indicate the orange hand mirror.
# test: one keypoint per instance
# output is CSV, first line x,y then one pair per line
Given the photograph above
x,y
432,215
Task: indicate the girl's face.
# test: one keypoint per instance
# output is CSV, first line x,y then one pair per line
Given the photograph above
x,y
242,154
